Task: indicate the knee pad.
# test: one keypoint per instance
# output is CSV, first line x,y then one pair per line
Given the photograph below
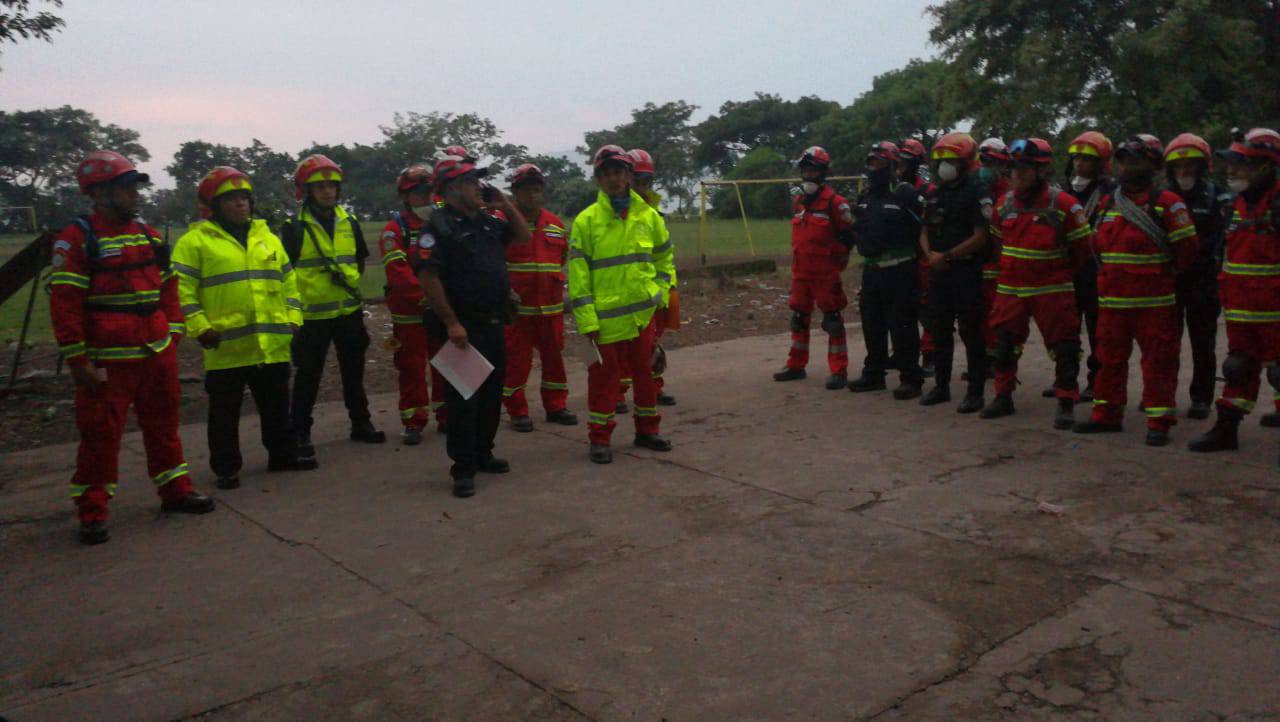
x,y
832,322
1273,376
1235,369
1066,358
799,321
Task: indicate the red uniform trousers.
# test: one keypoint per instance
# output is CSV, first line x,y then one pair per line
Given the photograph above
x,y
1055,315
926,338
151,387
602,387
546,334
1158,332
827,293
412,354
1259,343
659,328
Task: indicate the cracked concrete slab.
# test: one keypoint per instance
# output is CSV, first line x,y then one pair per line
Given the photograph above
x,y
802,554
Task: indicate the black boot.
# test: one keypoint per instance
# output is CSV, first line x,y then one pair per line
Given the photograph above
x,y
653,441
1225,434
973,402
292,463
837,381
1200,410
665,399
305,447
600,454
95,532
1065,417
1157,437
1001,405
193,503
564,417
226,483
494,465
364,431
523,424
866,383
411,437
1271,420
937,395
463,488
790,374
906,390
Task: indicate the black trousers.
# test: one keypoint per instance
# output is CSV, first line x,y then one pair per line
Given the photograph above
x,y
269,384
473,422
1086,287
955,303
890,303
1198,305
311,347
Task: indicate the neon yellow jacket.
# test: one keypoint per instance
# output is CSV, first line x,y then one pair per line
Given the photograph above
x,y
614,285
664,262
249,295
321,296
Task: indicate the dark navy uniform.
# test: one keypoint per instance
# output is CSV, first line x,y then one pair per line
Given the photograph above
x,y
468,255
886,231
1197,287
953,212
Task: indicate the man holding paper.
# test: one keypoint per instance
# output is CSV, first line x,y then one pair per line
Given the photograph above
x,y
462,263
617,244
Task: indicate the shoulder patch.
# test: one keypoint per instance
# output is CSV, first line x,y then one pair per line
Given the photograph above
x,y
59,260
1181,217
61,245
426,240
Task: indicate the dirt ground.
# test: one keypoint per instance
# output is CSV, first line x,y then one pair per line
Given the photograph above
x,y
38,411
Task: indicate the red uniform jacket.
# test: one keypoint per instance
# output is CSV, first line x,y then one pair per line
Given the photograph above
x,y
404,294
1136,273
1043,240
119,306
1250,278
536,268
817,246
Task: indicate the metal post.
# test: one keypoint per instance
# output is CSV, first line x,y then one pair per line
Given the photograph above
x,y
746,226
26,321
702,223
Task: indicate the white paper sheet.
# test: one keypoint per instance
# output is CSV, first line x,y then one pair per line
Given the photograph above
x,y
465,368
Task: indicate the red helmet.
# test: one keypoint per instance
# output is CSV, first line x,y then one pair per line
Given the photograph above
x,y
527,173
104,166
1093,143
611,153
1257,143
1033,151
816,156
956,146
222,179
1189,145
412,177
459,152
313,169
454,167
1143,144
993,149
641,161
884,149
912,149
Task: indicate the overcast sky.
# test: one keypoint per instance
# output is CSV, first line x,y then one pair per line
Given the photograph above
x,y
294,71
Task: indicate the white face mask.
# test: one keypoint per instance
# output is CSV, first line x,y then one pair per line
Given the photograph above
x,y
1079,183
809,188
1238,185
1186,182
423,212
947,171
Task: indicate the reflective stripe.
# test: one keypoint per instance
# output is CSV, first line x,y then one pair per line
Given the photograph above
x,y
179,329
1135,259
185,270
509,391
644,411
576,253
267,274
165,477
583,301
629,308
663,248
67,278
1028,291
890,263
252,329
129,353
404,318
1079,233
191,309
287,268
1240,315
1034,254
554,386
534,267
1244,405
409,413
293,303
600,419
125,299
1181,233
1155,412
436,405
622,260
72,349
393,256
549,310
320,262
990,273
1135,301
1251,269
331,306
78,490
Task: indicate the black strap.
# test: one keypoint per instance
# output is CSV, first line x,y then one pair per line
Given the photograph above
x,y
1141,218
330,264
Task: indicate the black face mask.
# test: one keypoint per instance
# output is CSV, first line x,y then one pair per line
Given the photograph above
x,y
879,177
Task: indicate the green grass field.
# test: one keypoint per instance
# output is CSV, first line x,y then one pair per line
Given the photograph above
x,y
724,239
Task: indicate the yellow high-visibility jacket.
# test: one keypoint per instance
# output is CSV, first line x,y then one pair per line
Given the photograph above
x,y
248,294
323,297
620,270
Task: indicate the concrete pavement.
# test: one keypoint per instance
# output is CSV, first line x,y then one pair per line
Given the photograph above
x,y
802,554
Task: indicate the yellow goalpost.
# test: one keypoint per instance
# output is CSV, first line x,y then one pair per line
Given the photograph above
x,y
703,186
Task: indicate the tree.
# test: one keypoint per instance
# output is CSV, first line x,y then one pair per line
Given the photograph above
x,y
1020,67
569,190
39,152
416,137
760,201
902,103
766,121
17,22
270,171
663,130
